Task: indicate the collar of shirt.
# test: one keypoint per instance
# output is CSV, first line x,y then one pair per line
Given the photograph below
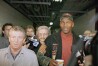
x,y
9,52
65,35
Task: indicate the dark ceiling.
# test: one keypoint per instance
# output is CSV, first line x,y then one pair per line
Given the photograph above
x,y
44,11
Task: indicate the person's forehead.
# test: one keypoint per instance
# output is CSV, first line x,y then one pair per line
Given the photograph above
x,y
8,27
66,19
86,32
12,32
43,31
29,29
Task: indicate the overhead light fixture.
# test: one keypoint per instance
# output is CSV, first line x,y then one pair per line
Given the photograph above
x,y
53,13
57,0
51,23
60,0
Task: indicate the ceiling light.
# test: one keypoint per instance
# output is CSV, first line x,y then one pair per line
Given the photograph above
x,y
60,0
51,23
57,0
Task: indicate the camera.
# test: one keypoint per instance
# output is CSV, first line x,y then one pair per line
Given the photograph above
x,y
32,41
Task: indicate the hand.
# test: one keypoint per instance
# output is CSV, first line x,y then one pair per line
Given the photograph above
x,y
42,48
80,64
53,63
26,46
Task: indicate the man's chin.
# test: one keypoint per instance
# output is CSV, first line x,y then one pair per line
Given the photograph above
x,y
42,40
65,32
16,47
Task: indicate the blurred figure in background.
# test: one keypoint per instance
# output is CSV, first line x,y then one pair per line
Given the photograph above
x,y
30,31
87,47
94,46
87,41
31,40
4,39
87,33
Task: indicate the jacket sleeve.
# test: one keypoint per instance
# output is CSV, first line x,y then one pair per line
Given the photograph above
x,y
49,41
43,60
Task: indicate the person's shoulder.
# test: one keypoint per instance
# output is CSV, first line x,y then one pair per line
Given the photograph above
x,y
49,38
28,55
55,34
3,51
28,51
2,38
75,36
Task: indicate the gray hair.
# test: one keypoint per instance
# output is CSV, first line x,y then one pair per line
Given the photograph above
x,y
43,27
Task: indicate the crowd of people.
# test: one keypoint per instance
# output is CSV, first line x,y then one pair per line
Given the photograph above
x,y
26,47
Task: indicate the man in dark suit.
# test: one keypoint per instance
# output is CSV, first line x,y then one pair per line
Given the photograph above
x,y
65,40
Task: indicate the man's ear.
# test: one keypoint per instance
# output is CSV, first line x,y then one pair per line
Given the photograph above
x,y
60,24
3,32
73,24
24,39
9,39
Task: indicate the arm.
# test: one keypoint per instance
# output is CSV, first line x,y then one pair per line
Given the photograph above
x,y
48,43
43,60
42,49
46,61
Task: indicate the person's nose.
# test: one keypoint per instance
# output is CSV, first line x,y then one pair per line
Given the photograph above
x,y
16,39
65,24
42,36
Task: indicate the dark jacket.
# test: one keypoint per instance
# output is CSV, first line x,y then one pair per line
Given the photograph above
x,y
56,38
94,49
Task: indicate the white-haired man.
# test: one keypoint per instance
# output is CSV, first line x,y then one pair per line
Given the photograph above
x,y
42,33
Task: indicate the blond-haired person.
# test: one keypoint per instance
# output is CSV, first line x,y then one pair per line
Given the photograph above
x,y
15,54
